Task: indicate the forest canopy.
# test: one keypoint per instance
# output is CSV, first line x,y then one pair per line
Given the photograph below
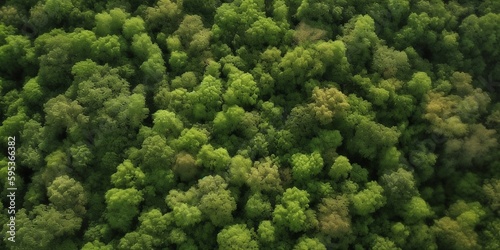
x,y
250,124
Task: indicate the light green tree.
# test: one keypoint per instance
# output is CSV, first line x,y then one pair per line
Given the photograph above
x,y
185,215
266,231
340,168
110,23
133,26
122,205
66,193
213,159
128,176
293,212
167,123
305,167
368,200
306,243
237,237
258,206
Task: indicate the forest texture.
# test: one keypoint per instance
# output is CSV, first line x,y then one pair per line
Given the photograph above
x,y
250,124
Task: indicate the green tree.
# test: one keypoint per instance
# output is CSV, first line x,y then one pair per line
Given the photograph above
x,y
420,84
178,60
66,193
340,168
398,9
154,223
477,57
422,235
156,153
239,169
360,39
62,114
333,54
16,54
55,59
297,66
175,100
417,27
206,9
399,186
384,243
122,205
306,243
237,237
327,141
44,227
328,104
127,111
293,212
143,47
305,167
94,88
371,137
216,203
457,229
206,99
399,233
449,233
185,166
266,232
133,26
358,174
110,23
185,215
96,245
179,237
390,63
136,241
191,37
32,92
491,189
300,125
439,112
191,140
187,80
81,43
472,149
416,210
368,200
165,12
57,165
167,123
30,152
265,176
242,90
58,9
231,20
264,32
227,121
491,235
128,176
107,49
190,25
213,159
12,17
258,206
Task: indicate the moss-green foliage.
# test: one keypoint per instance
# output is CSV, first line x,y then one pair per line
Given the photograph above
x,y
251,124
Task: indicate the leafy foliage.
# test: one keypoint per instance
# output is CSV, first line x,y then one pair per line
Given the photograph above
x,y
250,124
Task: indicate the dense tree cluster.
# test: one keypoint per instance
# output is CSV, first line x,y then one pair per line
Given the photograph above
x,y
251,124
